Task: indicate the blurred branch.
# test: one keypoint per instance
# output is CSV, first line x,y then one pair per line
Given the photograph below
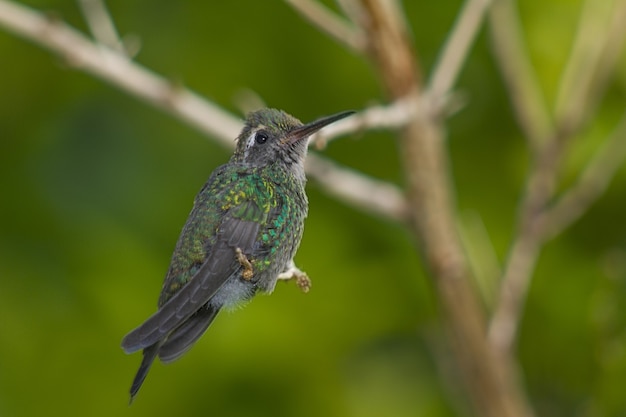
x,y
403,109
535,121
457,47
116,69
393,116
101,24
592,183
541,221
525,248
519,77
481,254
587,86
599,42
329,23
519,267
367,194
487,376
583,57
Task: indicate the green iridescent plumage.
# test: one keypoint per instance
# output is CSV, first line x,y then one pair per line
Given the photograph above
x,y
243,231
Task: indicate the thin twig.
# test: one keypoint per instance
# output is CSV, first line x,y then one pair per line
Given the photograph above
x,y
535,121
457,47
525,248
599,42
353,11
545,224
513,289
592,183
364,193
101,24
541,185
118,70
584,55
393,116
520,79
481,254
329,23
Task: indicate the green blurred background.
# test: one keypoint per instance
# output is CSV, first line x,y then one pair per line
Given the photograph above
x,y
95,187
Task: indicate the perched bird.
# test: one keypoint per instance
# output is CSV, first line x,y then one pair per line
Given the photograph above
x,y
243,231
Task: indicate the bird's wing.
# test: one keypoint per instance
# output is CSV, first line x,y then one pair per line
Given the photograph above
x,y
185,335
237,230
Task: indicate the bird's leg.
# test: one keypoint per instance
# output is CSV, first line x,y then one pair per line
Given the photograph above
x,y
248,272
293,272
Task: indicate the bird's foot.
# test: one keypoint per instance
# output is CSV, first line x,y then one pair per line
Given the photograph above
x,y
248,272
302,279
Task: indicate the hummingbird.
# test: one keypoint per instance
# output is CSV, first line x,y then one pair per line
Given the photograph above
x,y
243,231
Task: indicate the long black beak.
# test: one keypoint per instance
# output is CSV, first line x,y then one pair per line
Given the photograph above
x,y
310,128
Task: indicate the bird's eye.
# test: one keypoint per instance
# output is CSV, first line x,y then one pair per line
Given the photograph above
x,y
261,137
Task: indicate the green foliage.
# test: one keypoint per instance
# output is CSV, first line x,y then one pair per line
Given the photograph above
x,y
96,186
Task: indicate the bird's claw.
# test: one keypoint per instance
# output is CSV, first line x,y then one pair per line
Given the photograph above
x,y
248,272
302,279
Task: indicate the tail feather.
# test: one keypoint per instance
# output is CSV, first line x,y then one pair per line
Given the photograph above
x,y
149,354
181,339
214,272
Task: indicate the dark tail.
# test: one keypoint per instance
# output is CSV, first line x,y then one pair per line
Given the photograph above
x,y
175,345
187,334
149,354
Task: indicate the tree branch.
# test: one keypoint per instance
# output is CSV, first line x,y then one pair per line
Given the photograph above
x,y
592,183
599,42
457,47
393,116
488,376
366,194
541,185
118,70
541,222
101,24
519,77
329,23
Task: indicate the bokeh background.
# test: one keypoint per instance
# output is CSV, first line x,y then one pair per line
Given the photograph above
x,y
95,187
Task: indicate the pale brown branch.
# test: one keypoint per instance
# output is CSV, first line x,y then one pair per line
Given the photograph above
x,y
454,52
481,254
525,248
391,50
488,377
514,284
101,24
541,222
599,42
393,116
352,9
118,70
364,193
533,230
592,183
331,24
535,121
524,90
590,34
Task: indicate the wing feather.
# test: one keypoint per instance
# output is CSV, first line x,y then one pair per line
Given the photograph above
x,y
238,229
205,283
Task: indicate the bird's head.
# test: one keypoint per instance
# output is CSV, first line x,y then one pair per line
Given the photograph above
x,y
273,136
